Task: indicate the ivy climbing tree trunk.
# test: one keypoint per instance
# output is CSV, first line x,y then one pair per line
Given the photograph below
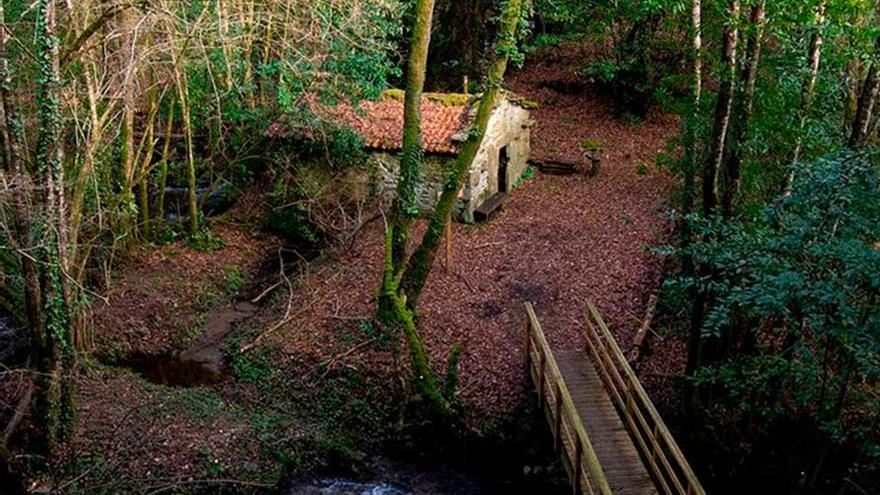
x,y
56,352
421,262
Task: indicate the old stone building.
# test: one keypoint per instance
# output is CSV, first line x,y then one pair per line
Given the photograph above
x,y
446,121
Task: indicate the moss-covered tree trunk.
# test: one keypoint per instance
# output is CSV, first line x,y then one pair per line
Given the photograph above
x,y
405,207
393,311
421,262
403,279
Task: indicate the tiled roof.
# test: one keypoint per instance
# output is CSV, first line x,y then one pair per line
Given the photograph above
x,y
380,123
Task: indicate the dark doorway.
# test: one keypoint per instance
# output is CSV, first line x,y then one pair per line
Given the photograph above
x,y
503,161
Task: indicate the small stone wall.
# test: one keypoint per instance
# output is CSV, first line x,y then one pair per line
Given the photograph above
x,y
385,168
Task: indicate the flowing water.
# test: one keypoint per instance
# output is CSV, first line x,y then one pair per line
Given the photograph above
x,y
337,486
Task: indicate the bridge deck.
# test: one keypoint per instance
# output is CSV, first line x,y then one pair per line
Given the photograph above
x,y
611,437
623,468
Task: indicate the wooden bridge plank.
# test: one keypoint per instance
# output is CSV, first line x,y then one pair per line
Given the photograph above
x,y
618,456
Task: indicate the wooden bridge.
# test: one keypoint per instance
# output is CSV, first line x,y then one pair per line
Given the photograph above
x,y
610,436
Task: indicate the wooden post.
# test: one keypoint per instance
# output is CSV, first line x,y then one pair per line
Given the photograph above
x,y
465,83
558,420
639,340
449,243
540,383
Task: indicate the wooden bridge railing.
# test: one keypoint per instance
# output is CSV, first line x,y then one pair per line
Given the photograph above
x,y
568,430
671,471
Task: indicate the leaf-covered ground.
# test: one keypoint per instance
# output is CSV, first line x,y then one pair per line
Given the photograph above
x,y
561,241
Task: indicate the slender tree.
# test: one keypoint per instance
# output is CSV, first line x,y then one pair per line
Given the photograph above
x,y
808,93
421,262
400,292
405,207
690,169
743,105
723,108
56,353
865,108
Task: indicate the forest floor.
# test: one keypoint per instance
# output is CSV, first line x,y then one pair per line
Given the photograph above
x,y
561,240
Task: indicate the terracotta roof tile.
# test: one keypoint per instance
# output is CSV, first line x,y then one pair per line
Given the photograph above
x,y
380,123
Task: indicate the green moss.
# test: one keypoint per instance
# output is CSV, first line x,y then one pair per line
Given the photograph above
x,y
591,145
445,99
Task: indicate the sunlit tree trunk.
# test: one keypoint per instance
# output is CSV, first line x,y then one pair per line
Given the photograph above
x,y
723,108
129,81
392,306
809,91
744,102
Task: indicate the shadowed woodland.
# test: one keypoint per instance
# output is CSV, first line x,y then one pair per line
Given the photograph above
x,y
211,282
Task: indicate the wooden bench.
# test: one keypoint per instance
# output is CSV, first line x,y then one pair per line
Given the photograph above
x,y
485,210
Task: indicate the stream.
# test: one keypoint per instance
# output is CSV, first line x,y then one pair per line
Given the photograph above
x,y
202,362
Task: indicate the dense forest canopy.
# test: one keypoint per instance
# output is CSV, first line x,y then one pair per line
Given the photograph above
x,y
127,126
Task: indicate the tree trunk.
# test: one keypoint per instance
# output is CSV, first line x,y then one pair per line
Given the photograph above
x,y
809,91
405,207
128,110
723,107
392,305
743,114
867,101
163,171
421,262
690,168
55,385
21,187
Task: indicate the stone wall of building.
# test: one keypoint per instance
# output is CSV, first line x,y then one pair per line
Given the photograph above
x,y
385,169
509,128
